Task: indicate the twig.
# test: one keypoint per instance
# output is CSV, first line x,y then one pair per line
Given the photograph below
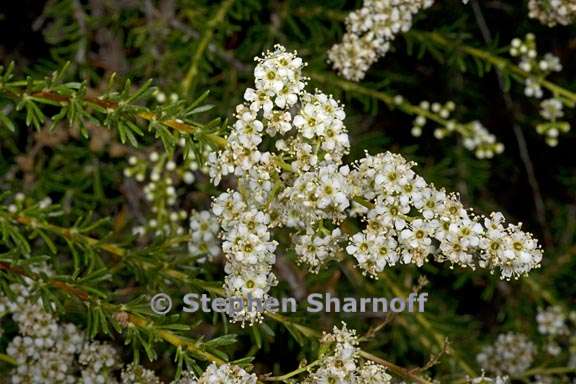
x,y
373,330
501,64
204,42
389,100
107,105
216,49
434,359
546,371
117,251
402,372
520,138
176,340
293,373
59,284
8,359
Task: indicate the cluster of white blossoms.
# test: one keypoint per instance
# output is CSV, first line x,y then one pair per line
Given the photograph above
x,y
248,248
245,215
214,374
536,67
97,357
341,363
47,351
225,374
512,354
551,110
552,321
136,374
489,380
478,139
529,61
369,31
161,175
559,328
20,202
410,220
439,110
553,12
204,229
286,151
475,136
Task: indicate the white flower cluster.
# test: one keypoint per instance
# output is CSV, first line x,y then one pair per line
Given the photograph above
x,y
305,128
551,110
286,150
369,31
552,321
538,68
341,364
474,135
559,327
552,12
478,139
226,374
511,354
204,229
161,175
410,220
136,374
214,374
49,352
530,62
158,173
20,203
248,248
315,248
442,111
187,377
97,358
490,380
